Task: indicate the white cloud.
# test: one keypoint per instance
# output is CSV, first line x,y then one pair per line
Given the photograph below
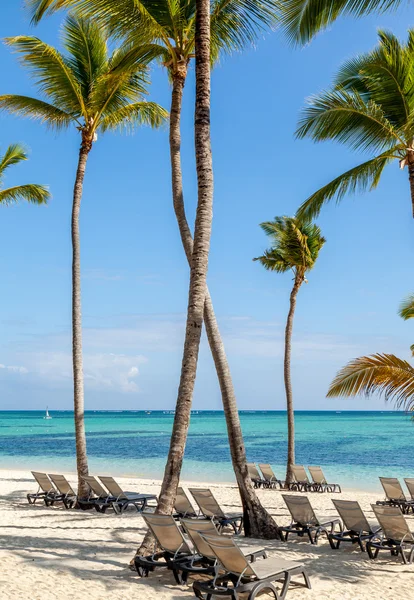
x,y
14,369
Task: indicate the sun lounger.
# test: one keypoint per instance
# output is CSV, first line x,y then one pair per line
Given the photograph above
x,y
301,483
174,547
255,476
242,576
204,560
357,528
271,480
211,509
304,520
394,495
99,497
48,491
396,536
409,482
182,505
123,499
67,494
320,483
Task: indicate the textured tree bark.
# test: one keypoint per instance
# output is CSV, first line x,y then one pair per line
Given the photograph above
x,y
288,383
78,391
257,522
411,178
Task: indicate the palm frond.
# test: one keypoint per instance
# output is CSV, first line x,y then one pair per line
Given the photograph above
x,y
303,19
363,177
406,309
272,260
41,8
14,154
344,117
384,374
36,109
51,72
30,192
134,115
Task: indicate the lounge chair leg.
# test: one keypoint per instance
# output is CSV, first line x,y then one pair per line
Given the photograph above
x,y
261,587
285,586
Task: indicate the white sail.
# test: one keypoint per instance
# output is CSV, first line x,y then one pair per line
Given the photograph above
x,y
47,416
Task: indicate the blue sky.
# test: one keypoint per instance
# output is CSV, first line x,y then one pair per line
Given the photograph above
x,y
134,275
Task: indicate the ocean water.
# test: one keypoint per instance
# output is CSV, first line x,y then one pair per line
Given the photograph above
x,y
354,448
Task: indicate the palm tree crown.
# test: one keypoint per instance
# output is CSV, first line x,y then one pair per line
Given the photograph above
x,y
31,192
88,87
370,108
295,245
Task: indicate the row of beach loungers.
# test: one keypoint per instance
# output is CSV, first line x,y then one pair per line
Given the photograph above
x,y
266,478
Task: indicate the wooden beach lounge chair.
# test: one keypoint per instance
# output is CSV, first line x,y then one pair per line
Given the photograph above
x,y
123,499
174,547
242,576
211,509
396,536
304,520
66,494
271,480
394,495
357,528
255,476
183,506
320,483
301,483
204,560
46,491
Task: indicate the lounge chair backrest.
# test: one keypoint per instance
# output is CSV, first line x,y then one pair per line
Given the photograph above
x,y
253,472
112,486
300,473
44,482
62,484
392,488
95,486
166,532
182,504
317,475
267,471
301,510
229,554
196,527
392,522
207,503
409,482
352,515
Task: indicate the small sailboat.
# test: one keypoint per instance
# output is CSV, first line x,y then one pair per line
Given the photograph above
x,y
47,416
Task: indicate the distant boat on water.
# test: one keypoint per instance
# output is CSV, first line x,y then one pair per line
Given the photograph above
x,y
47,416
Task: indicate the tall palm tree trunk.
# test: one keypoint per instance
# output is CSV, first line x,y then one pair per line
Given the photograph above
x,y
257,522
288,383
411,178
79,405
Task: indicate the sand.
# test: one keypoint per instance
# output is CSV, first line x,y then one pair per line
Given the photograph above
x,y
53,553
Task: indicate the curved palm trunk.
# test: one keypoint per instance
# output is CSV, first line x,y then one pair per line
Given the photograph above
x,y
78,398
411,179
257,522
288,383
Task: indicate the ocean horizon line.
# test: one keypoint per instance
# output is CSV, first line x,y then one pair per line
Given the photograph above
x,y
199,410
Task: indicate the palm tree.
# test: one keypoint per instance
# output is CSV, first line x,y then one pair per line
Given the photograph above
x,y
295,247
171,27
303,19
31,192
93,91
383,374
369,108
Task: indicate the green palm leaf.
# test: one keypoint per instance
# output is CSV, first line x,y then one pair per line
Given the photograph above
x,y
384,374
14,154
406,309
36,109
134,115
31,192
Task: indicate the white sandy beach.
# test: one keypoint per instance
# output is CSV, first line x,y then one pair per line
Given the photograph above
x,y
53,553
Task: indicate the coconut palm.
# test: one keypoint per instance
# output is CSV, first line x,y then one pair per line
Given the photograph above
x,y
94,91
171,27
295,247
383,374
370,108
303,19
31,192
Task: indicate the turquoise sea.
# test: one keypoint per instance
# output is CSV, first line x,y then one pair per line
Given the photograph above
x,y
354,448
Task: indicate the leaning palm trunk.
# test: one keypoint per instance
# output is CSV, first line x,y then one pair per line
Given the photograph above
x,y
257,522
79,405
411,178
288,382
